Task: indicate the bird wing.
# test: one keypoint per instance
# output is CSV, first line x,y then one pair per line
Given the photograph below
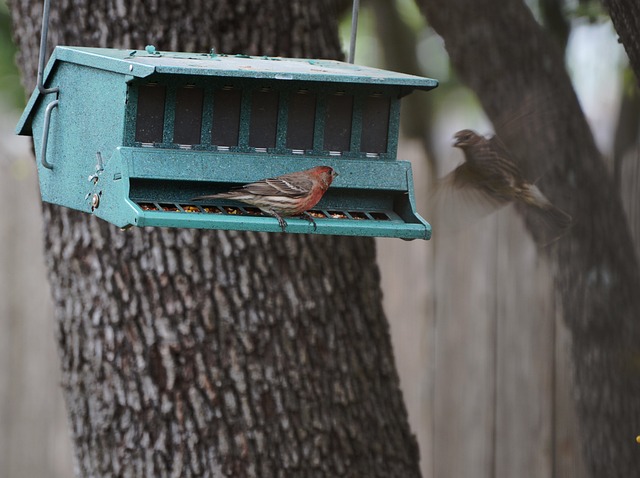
x,y
499,147
291,185
489,168
523,126
457,200
503,156
286,185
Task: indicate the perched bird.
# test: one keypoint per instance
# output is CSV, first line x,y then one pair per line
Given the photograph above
x,y
489,179
291,194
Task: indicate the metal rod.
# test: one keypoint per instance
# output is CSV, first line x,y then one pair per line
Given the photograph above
x,y
45,134
43,50
354,30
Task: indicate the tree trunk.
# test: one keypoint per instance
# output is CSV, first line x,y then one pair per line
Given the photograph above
x,y
199,353
625,15
500,51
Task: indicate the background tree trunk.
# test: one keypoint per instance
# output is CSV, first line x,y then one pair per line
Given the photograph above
x,y
500,51
195,353
625,15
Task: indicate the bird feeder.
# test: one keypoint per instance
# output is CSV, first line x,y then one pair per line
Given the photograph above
x,y
132,136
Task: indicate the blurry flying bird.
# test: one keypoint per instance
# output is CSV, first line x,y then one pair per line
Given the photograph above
x,y
291,194
489,179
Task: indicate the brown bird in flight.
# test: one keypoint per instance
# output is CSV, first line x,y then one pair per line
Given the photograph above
x,y
489,179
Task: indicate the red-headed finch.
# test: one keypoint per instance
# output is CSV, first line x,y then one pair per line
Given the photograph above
x,y
291,194
489,179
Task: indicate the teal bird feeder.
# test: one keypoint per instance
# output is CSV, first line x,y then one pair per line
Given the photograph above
x,y
132,136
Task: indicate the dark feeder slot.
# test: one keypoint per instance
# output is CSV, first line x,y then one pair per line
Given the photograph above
x,y
145,206
150,113
188,115
379,216
358,215
317,214
234,211
226,117
338,215
375,124
263,125
190,208
169,207
301,120
337,129
211,210
253,211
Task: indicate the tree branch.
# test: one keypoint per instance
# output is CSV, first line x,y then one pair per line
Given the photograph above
x,y
625,15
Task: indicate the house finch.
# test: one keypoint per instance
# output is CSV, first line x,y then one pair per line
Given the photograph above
x,y
291,194
490,179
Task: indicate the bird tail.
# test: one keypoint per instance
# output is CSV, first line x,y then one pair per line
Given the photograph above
x,y
533,196
213,196
550,221
557,217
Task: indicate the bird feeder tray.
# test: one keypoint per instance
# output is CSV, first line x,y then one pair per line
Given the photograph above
x,y
132,136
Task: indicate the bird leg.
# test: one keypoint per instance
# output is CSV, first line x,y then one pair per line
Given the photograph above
x,y
281,221
309,217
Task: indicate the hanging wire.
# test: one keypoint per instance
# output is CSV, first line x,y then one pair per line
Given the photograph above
x,y
43,50
354,30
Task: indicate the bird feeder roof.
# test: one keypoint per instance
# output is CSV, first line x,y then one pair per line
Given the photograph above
x,y
244,66
143,63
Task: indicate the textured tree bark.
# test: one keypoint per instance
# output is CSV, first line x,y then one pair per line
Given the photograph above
x,y
190,353
625,15
502,54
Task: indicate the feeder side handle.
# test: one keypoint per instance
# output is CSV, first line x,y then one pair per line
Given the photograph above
x,y
45,134
354,30
43,50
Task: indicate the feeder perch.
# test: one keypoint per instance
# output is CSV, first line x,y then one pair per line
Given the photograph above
x,y
132,135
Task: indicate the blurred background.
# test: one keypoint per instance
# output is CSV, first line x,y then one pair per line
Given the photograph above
x,y
481,349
